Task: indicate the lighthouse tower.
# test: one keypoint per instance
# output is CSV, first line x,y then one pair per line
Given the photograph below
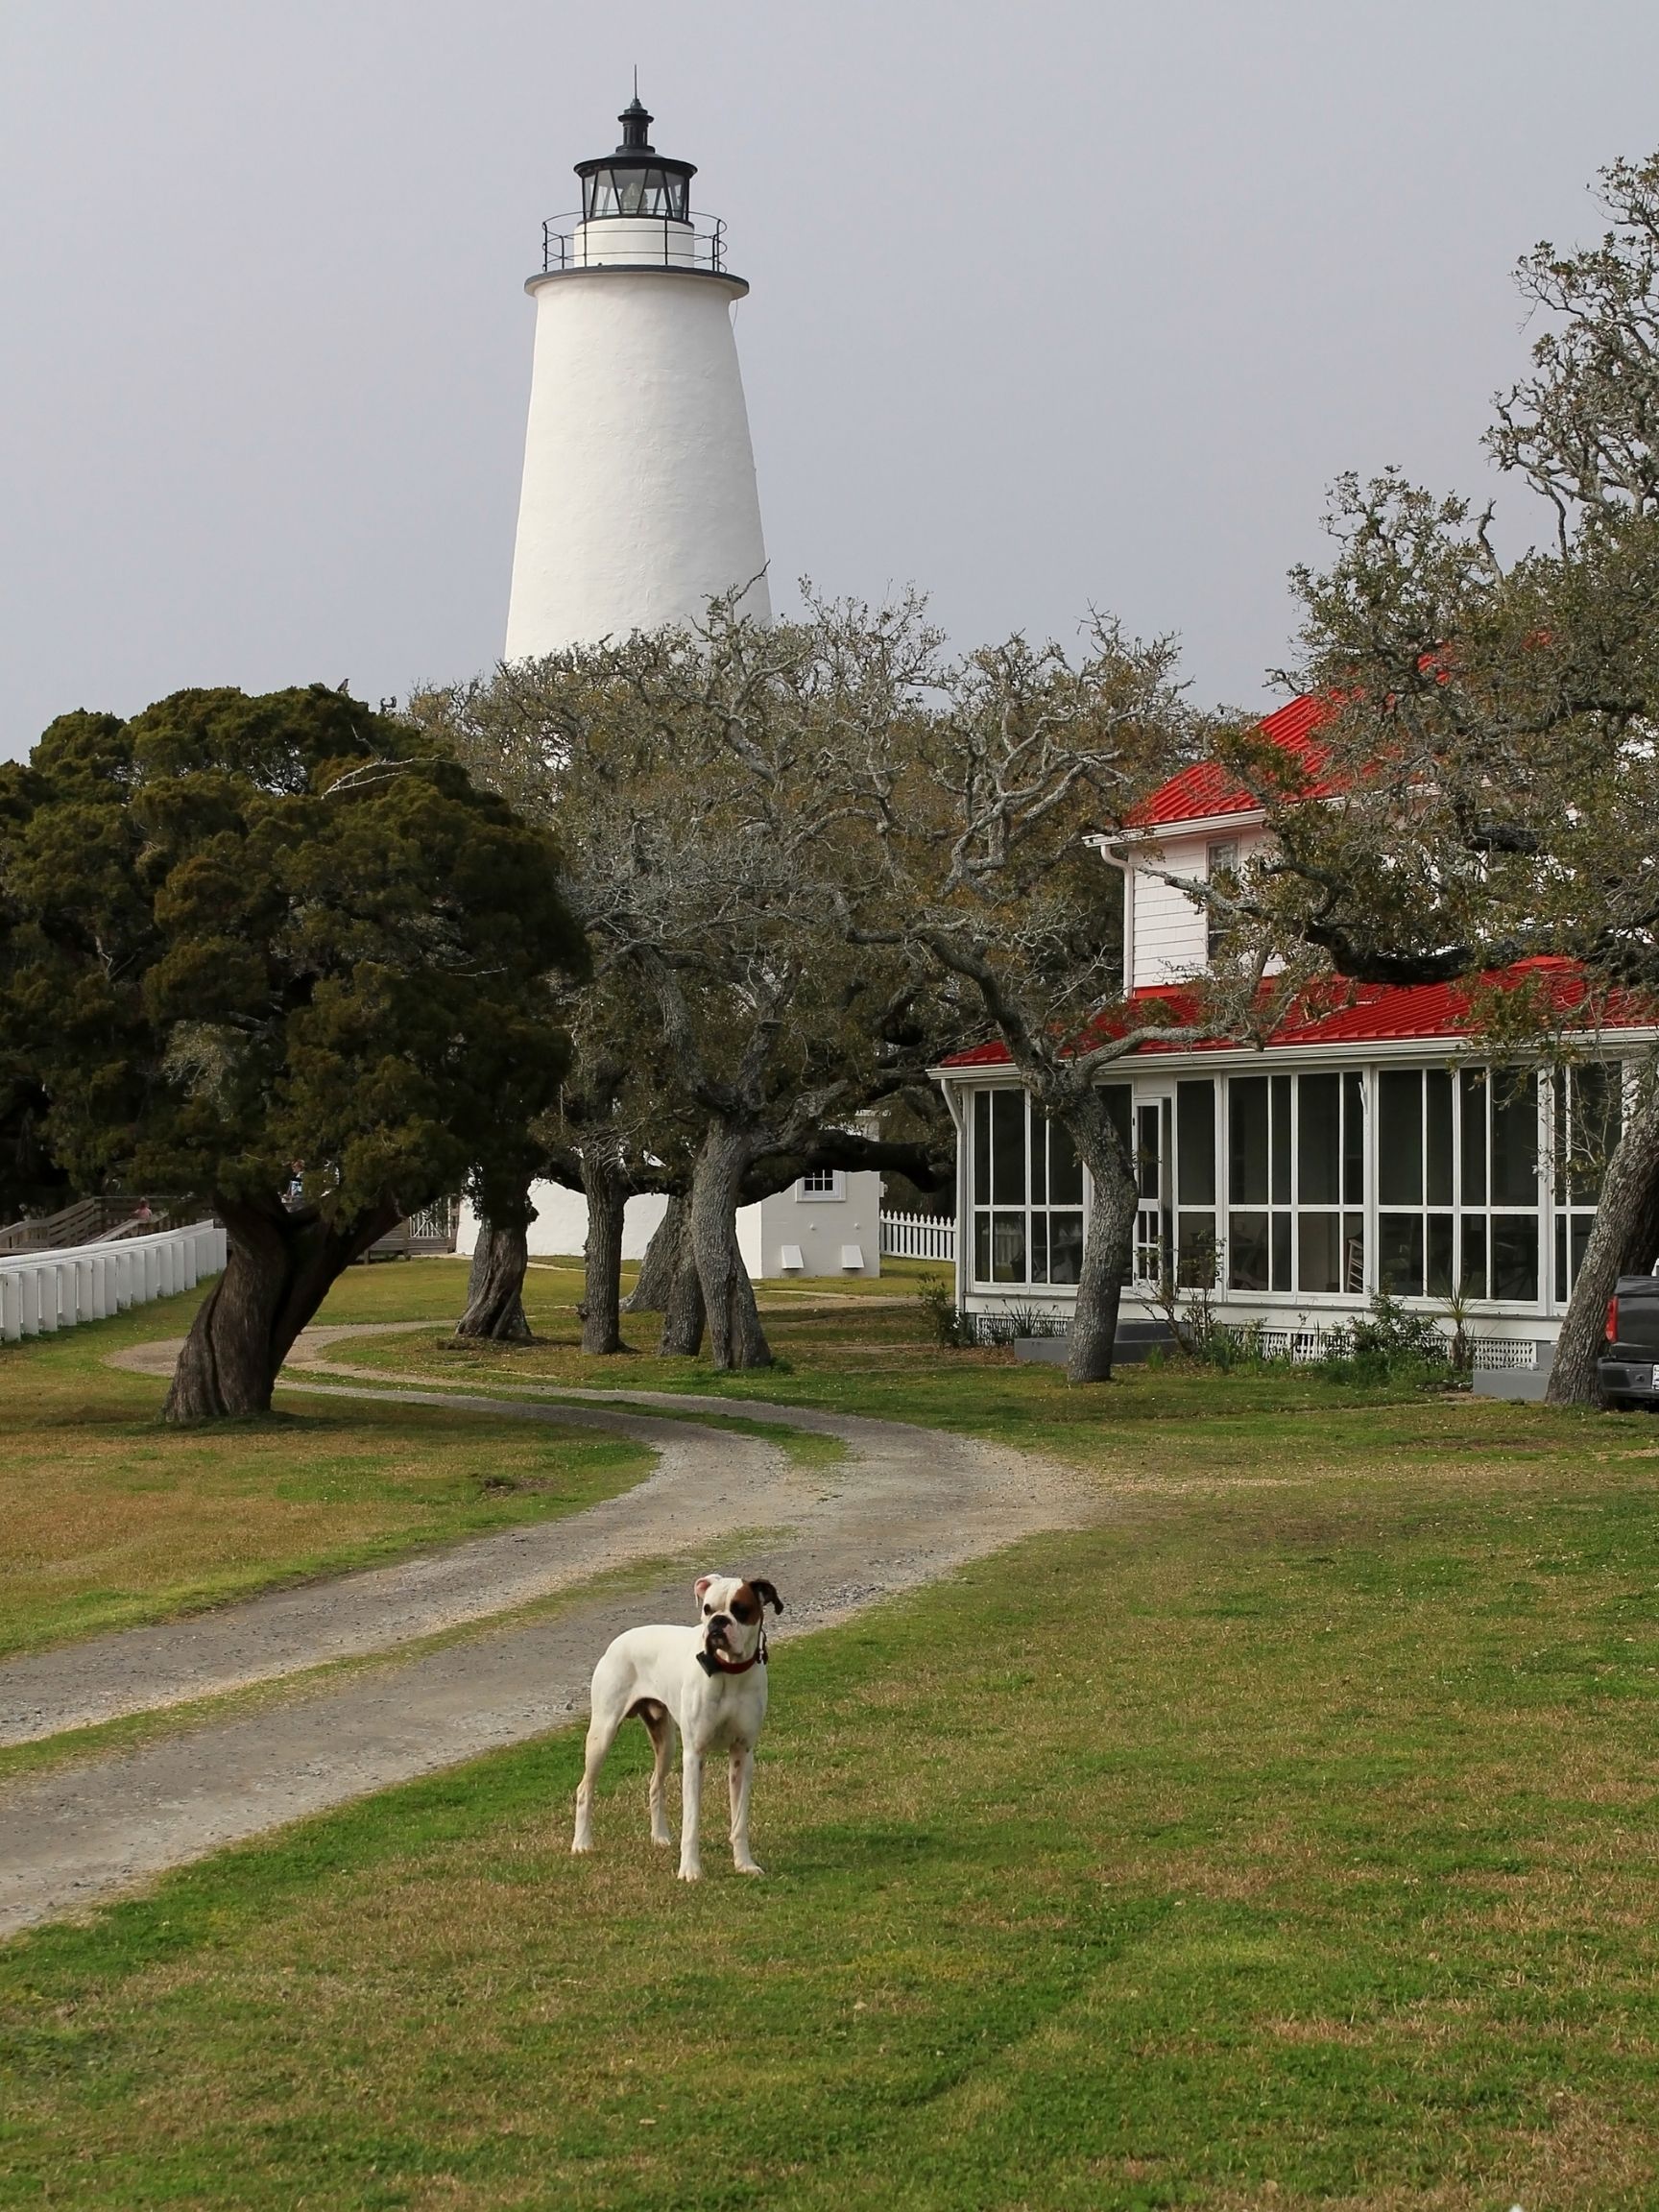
x,y
639,504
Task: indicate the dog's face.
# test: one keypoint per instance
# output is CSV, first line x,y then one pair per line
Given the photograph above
x,y
731,1612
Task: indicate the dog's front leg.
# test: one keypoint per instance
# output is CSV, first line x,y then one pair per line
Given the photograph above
x,y
742,1782
691,1810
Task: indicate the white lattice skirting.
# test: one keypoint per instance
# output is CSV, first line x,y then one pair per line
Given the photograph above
x,y
1504,1350
1313,1344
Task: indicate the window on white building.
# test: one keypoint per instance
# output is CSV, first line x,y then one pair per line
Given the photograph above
x,y
1027,1190
1296,1183
821,1183
1457,1183
1220,859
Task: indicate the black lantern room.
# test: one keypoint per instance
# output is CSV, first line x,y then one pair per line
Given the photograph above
x,y
635,180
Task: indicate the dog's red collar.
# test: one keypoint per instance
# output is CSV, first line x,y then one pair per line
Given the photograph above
x,y
711,1662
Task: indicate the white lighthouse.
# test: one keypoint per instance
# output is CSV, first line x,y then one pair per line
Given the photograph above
x,y
639,504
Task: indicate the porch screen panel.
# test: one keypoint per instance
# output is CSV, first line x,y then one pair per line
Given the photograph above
x,y
1062,1223
1512,1170
1457,1183
1414,1168
1587,1115
1009,1196
1027,1193
1196,1240
1399,1137
1296,1183
1330,1184
1259,1159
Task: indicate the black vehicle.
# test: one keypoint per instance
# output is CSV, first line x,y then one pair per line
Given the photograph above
x,y
1630,1355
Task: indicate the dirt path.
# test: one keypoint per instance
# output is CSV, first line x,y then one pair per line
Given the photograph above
x,y
907,1505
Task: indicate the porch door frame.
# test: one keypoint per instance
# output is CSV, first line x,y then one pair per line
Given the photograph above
x,y
1153,1109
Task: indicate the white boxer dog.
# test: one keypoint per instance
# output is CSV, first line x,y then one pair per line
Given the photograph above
x,y
709,1683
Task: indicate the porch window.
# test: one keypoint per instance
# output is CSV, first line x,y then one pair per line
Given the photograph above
x,y
1027,1192
1296,1183
1588,1115
1457,1183
1197,1245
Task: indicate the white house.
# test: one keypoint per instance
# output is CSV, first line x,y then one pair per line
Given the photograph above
x,y
1364,1149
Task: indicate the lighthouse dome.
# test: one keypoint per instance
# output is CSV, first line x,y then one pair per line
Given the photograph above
x,y
635,180
636,210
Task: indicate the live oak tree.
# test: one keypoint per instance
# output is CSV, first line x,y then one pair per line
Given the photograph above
x,y
1490,784
693,775
278,952
989,803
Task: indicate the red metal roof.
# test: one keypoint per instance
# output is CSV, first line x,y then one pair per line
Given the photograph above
x,y
1335,1012
1208,789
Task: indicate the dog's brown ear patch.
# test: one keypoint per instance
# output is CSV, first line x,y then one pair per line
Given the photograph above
x,y
745,1604
766,1592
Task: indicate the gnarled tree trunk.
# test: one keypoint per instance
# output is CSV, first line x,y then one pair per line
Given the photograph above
x,y
279,1270
1108,1246
1624,1242
496,1281
736,1336
682,1315
657,1270
606,1190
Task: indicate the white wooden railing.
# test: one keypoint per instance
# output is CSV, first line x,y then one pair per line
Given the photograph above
x,y
44,1291
918,1237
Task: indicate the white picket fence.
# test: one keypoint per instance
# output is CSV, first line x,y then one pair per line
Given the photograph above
x,y
43,1291
918,1237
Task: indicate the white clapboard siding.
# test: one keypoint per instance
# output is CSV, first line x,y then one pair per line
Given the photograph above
x,y
43,1291
918,1237
1170,933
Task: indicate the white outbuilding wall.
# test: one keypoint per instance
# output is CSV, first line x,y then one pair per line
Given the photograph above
x,y
799,1234
639,502
793,1235
561,1223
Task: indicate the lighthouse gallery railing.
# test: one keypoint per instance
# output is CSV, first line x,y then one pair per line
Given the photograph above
x,y
572,242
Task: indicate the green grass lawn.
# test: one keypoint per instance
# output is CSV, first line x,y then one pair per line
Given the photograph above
x,y
108,1517
1289,1839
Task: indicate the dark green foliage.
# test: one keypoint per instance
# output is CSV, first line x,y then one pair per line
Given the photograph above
x,y
241,936
241,932
948,1327
1391,1344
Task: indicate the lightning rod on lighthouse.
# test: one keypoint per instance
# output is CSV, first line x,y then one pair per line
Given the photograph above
x,y
639,502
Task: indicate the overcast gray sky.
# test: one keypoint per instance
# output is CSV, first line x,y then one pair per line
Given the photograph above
x,y
1054,304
